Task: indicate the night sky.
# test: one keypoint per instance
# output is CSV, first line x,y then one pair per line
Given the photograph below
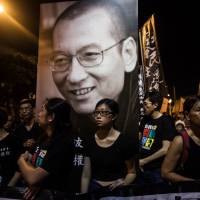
x,y
176,26
178,39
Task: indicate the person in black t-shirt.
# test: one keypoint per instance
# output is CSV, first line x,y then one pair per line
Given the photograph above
x,y
156,132
182,160
109,160
28,131
52,160
10,149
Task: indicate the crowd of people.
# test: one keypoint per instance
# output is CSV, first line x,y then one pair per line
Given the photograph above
x,y
43,155
46,153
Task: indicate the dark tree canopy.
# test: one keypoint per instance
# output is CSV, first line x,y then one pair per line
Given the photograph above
x,y
17,76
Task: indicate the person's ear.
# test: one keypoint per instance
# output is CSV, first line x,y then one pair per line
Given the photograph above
x,y
51,117
155,105
129,54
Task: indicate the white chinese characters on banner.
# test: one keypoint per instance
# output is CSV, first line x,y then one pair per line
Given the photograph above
x,y
78,158
152,69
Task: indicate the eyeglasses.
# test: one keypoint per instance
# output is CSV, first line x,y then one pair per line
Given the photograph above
x,y
102,113
60,62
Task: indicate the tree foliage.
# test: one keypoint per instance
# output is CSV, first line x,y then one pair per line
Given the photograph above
x,y
17,76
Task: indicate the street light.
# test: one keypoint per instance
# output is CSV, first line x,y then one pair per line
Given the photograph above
x,y
1,9
16,23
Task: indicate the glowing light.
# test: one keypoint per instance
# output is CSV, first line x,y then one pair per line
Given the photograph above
x,y
1,9
22,28
16,23
170,101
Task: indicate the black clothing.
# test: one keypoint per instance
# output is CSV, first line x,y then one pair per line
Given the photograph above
x,y
192,165
108,163
10,150
154,131
58,163
23,134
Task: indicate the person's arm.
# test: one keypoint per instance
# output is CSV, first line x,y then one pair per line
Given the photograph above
x,y
32,175
129,178
13,181
86,175
131,172
171,160
158,154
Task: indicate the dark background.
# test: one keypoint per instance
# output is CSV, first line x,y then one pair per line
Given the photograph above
x,y
178,39
176,27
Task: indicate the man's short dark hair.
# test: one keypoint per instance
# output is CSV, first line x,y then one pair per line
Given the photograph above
x,y
27,101
154,97
121,28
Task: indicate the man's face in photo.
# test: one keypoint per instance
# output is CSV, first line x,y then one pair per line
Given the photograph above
x,y
83,86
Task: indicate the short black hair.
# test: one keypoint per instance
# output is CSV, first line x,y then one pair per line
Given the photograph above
x,y
121,28
27,101
3,117
113,105
154,97
189,103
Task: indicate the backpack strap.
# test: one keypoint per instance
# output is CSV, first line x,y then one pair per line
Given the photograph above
x,y
186,146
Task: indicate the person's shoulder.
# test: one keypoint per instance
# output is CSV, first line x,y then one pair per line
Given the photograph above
x,y
145,119
166,117
177,144
178,140
168,120
11,137
163,118
19,127
13,141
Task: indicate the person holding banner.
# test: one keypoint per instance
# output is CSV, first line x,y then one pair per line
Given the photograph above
x,y
181,162
110,155
156,132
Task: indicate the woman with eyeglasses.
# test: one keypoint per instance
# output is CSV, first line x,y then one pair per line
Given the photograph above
x,y
109,161
51,164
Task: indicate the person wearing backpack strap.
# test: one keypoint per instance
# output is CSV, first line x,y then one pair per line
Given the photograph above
x,y
185,148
